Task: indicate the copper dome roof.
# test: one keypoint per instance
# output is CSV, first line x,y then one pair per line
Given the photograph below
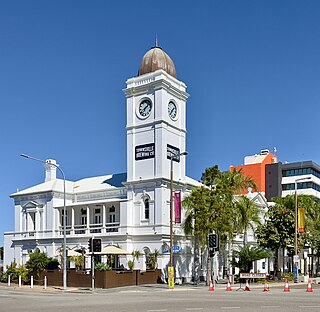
x,y
155,59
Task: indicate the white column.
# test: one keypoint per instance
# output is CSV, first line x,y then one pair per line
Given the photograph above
x,y
37,220
88,220
104,219
72,220
25,221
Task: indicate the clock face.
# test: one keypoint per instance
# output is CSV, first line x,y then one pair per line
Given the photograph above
x,y
172,110
145,107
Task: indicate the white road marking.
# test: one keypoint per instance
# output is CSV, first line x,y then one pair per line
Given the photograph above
x,y
194,309
310,307
230,307
269,307
157,310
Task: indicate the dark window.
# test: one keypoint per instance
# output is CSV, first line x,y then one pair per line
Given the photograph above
x,y
146,208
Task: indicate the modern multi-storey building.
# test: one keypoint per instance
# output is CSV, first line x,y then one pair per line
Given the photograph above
x,y
281,179
128,209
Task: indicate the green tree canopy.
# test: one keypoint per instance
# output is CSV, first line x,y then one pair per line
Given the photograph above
x,y
247,215
38,261
244,256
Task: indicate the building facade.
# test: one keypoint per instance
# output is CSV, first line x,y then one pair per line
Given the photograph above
x,y
255,167
129,209
277,179
281,178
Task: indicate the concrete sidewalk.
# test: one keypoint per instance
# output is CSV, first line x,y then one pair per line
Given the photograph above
x,y
154,287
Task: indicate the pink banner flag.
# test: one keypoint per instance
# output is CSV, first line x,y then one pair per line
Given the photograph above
x,y
177,207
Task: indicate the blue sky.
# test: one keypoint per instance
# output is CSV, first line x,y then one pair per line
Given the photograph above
x,y
251,67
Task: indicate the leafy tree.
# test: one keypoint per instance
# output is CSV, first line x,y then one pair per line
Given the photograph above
x,y
311,235
247,215
246,255
279,227
53,264
37,262
78,261
136,254
211,207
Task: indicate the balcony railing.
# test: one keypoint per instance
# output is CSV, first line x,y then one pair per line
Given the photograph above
x,y
79,229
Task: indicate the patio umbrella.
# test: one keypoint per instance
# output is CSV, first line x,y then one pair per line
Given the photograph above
x,y
72,253
113,250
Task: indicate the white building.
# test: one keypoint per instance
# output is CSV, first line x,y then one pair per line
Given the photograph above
x,y
129,209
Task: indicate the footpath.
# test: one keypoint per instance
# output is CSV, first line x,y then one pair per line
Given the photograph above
x,y
158,287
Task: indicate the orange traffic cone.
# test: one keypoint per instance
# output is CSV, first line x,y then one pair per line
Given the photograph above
x,y
211,288
266,286
228,286
309,288
247,288
286,287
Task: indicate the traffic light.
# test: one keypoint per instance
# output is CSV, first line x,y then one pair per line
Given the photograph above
x,y
96,244
90,244
213,241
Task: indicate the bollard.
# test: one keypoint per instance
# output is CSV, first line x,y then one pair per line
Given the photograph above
x,y
45,283
20,281
9,280
31,282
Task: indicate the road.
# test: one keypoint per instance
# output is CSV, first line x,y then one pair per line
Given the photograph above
x,y
159,299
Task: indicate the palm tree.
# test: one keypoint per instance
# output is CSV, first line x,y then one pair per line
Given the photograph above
x,y
246,255
247,215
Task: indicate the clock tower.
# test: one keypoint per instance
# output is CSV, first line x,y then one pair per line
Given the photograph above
x,y
156,120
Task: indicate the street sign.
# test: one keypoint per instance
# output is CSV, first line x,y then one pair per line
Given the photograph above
x,y
176,249
296,258
252,275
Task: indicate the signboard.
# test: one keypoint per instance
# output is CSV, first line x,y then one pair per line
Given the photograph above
x,y
177,207
173,152
176,249
301,220
171,277
296,258
145,151
253,275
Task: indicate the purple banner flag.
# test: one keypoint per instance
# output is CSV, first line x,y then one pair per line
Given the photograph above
x,y
177,207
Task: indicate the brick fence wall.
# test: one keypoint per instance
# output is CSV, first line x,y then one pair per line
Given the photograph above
x,y
107,279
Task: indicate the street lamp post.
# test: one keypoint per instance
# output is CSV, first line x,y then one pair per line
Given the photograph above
x,y
171,285
47,162
296,228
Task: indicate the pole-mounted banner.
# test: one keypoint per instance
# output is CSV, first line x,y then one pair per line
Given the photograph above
x,y
301,220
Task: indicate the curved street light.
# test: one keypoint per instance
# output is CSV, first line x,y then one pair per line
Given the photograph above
x,y
47,162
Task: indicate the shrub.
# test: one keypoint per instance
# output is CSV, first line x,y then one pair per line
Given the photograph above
x,y
130,265
14,271
102,267
53,264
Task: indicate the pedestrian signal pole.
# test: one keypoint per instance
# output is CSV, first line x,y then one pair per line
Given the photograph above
x,y
213,244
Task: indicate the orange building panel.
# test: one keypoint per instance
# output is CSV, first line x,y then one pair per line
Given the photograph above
x,y
256,169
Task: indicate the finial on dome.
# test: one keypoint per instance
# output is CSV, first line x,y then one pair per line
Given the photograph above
x,y
156,41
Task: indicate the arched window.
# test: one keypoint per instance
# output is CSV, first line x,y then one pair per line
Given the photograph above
x,y
146,208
